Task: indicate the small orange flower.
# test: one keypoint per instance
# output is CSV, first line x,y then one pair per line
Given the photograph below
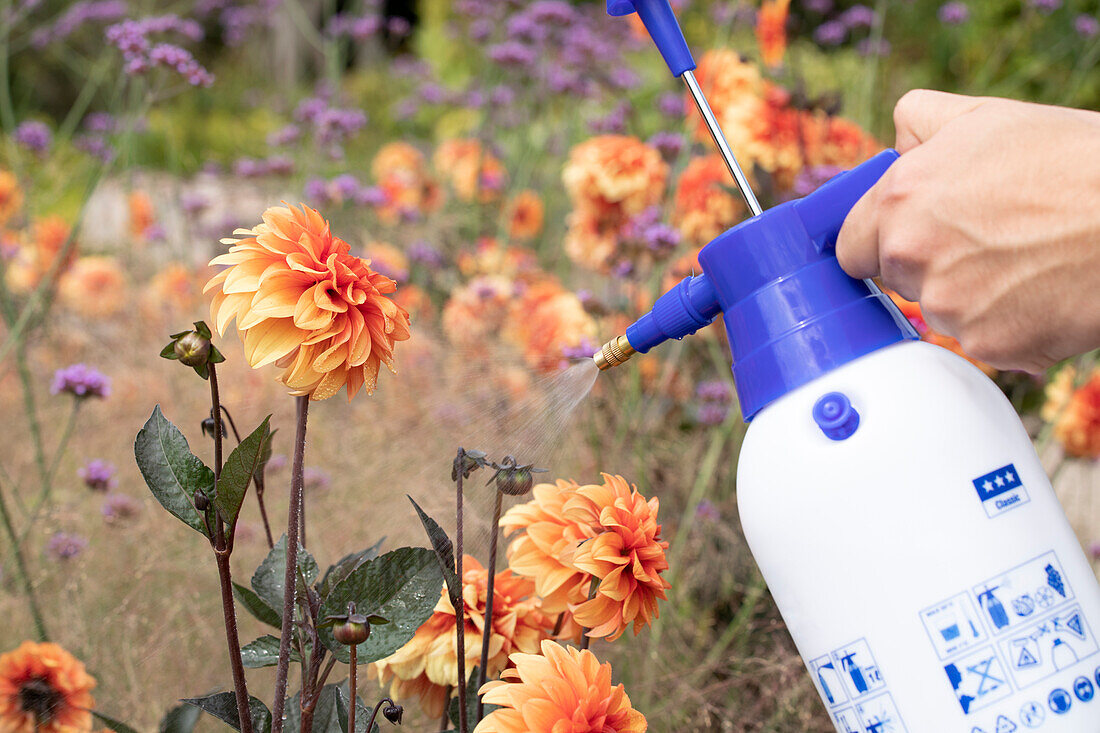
x,y
93,287
304,303
11,196
475,313
1075,413
627,555
397,157
771,31
492,258
142,214
44,689
548,537
426,666
705,204
546,321
614,177
734,89
562,690
385,259
524,214
474,172
402,174
416,302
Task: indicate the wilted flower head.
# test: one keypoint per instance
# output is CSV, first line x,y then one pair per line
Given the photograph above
x,y
305,304
427,665
98,475
561,689
65,546
81,381
44,689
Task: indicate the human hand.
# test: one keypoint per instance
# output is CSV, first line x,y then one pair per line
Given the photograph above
x,y
991,220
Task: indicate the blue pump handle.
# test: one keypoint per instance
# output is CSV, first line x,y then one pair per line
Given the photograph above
x,y
823,212
660,21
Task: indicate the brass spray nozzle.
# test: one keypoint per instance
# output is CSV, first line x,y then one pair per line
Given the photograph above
x,y
613,353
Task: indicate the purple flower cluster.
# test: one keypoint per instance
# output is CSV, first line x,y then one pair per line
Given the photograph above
x,y
77,15
344,188
668,144
831,33
98,475
315,478
273,165
1086,26
81,381
65,546
707,512
131,37
671,104
422,253
356,27
858,16
953,13
117,507
193,203
34,136
331,126
715,398
1045,7
614,122
584,350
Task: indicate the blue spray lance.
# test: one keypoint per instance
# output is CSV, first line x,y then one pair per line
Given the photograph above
x,y
882,482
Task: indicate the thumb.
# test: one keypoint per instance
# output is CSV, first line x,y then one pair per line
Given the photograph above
x,y
920,114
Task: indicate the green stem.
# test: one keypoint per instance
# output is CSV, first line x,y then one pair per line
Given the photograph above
x,y
21,566
290,578
47,486
7,112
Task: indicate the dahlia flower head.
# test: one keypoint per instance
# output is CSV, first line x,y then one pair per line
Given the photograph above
x,y
524,215
562,689
1075,412
427,666
474,172
575,534
705,204
301,301
407,186
11,196
44,689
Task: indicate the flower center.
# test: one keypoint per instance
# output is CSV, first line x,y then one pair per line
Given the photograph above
x,y
38,697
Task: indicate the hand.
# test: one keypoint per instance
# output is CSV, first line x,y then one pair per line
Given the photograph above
x,y
991,220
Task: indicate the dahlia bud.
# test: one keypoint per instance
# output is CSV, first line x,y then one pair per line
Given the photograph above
x,y
201,500
209,427
351,632
192,349
393,713
515,482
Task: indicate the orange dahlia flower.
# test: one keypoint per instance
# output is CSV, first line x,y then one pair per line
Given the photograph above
x,y
142,214
426,666
1075,413
490,257
397,157
705,204
387,260
614,177
11,196
44,689
562,690
474,172
524,215
94,287
304,303
771,31
402,174
476,312
176,288
546,322
548,539
627,555
734,89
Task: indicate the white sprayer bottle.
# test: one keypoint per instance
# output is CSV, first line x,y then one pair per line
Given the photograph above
x,y
891,497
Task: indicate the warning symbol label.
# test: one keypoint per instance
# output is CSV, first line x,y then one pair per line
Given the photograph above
x,y
1048,646
978,679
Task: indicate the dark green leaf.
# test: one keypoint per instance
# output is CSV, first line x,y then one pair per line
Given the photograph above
x,y
471,704
265,456
444,553
264,652
169,351
216,357
255,605
203,330
237,472
180,719
171,470
116,725
223,706
362,712
203,370
340,570
268,579
326,716
402,586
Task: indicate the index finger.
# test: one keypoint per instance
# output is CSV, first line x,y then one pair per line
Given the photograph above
x,y
857,245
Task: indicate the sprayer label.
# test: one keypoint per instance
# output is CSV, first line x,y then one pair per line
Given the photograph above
x,y
1001,490
852,685
1013,598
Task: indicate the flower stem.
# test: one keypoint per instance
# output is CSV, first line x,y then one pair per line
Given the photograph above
x,y
487,631
460,612
222,551
47,485
445,721
21,566
351,693
290,579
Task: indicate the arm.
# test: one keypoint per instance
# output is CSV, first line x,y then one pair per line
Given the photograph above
x,y
991,220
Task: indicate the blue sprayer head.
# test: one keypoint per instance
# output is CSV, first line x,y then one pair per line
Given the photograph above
x,y
791,313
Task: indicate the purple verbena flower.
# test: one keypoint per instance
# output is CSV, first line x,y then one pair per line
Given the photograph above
x,y
711,413
81,381
371,196
706,511
278,165
76,15
425,254
193,202
858,16
286,135
34,136
100,122
671,104
117,507
345,186
668,144
65,546
821,7
512,53
583,350
831,33
953,13
1086,26
155,232
98,475
316,478
660,239
1045,7
501,96
317,193
714,391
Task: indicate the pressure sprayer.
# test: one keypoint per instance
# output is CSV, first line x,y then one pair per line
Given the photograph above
x,y
891,497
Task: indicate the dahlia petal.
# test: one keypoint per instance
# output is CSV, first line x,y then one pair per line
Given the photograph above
x,y
270,340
